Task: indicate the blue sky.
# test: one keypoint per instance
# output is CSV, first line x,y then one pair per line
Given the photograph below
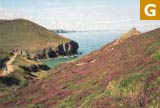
x,y
78,14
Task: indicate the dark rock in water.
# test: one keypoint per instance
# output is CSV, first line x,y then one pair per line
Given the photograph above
x,y
68,48
74,46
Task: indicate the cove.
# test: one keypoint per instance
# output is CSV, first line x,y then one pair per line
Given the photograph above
x,y
88,42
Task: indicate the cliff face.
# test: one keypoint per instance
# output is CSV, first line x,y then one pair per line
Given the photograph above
x,y
28,38
68,48
123,75
65,49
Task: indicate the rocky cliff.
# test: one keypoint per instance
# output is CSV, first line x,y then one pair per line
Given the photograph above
x,y
66,49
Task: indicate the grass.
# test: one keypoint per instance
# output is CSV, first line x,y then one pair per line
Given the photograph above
x,y
87,103
4,57
151,49
26,35
68,103
39,105
41,75
20,77
71,86
155,95
137,68
131,80
120,89
156,56
127,85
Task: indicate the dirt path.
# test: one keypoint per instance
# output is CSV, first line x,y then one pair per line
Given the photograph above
x,y
9,66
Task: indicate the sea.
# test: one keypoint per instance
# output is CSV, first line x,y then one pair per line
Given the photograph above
x,y
88,41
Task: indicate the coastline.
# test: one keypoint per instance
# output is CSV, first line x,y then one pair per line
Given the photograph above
x,y
60,57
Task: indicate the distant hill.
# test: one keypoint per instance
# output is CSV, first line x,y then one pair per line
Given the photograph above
x,y
123,74
26,35
31,39
64,31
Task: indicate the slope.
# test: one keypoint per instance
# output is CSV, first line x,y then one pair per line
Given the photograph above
x,y
26,35
123,75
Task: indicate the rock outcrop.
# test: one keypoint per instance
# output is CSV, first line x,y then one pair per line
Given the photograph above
x,y
35,68
132,32
67,49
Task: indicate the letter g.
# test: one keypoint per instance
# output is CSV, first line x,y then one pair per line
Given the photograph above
x,y
150,12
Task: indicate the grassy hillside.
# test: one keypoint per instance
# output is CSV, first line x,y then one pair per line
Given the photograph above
x,y
123,74
25,71
26,35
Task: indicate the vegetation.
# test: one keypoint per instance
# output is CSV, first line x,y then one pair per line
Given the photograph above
x,y
156,56
3,58
22,76
116,76
26,35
